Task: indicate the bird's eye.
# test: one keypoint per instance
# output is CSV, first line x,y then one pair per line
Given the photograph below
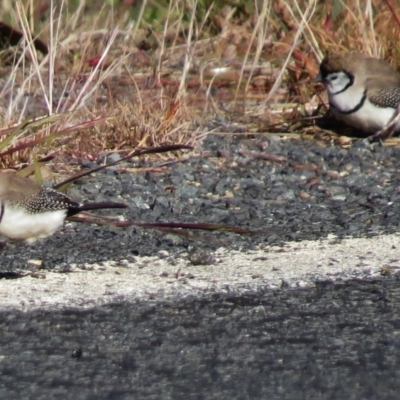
x,y
333,77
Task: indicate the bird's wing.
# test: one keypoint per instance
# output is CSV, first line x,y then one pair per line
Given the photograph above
x,y
45,200
383,93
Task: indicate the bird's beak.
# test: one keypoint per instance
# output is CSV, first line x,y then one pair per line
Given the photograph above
x,y
318,78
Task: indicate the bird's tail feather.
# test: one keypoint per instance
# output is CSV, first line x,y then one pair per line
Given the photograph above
x,y
94,206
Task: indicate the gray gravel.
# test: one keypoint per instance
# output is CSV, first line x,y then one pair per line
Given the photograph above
x,y
316,190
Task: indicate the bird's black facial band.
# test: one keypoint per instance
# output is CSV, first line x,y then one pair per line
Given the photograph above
x,y
1,211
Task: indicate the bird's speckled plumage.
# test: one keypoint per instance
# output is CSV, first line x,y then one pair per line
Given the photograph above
x,y
30,211
46,199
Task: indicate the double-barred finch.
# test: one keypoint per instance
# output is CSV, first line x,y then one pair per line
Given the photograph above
x,y
363,92
29,211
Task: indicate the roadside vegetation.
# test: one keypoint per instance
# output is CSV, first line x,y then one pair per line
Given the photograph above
x,y
87,78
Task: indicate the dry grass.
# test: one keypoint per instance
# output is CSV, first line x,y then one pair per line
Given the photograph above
x,y
117,78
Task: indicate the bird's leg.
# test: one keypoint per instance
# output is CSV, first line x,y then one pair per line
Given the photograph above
x,y
388,130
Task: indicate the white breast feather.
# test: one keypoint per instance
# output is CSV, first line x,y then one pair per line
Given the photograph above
x,y
369,117
18,224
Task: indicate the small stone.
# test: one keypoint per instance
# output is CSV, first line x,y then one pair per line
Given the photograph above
x,y
38,275
201,257
35,263
163,254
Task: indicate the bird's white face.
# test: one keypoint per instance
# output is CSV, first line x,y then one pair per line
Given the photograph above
x,y
345,95
336,82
